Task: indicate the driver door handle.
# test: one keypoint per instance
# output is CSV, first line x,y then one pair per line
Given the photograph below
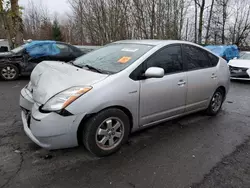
x,y
181,83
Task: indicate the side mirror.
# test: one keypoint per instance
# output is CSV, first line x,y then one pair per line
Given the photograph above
x,y
154,72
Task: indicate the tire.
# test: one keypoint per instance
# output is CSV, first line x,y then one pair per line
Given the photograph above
x,y
216,103
9,72
101,129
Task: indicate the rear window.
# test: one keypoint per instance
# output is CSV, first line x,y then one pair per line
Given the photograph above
x,y
113,58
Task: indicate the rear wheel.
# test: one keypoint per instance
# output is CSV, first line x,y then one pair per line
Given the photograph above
x,y
216,103
9,72
104,133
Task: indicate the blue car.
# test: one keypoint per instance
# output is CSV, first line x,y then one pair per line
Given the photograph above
x,y
227,52
23,59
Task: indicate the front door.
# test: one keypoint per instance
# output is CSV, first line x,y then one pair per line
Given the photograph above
x,y
162,98
65,53
35,55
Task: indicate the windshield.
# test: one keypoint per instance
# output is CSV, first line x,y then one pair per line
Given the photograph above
x,y
245,56
18,49
112,58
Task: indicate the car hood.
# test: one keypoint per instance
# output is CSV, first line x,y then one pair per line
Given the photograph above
x,y
242,63
6,54
49,78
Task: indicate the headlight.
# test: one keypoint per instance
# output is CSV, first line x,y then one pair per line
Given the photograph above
x,y
65,98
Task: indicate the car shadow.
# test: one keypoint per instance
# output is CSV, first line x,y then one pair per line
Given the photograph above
x,y
19,79
137,141
241,81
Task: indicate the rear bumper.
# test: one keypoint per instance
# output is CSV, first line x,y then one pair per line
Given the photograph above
x,y
48,130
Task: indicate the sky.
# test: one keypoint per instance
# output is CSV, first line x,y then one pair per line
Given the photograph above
x,y
59,6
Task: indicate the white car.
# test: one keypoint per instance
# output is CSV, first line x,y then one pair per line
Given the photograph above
x,y
240,68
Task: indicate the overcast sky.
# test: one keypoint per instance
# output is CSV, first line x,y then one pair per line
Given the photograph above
x,y
59,6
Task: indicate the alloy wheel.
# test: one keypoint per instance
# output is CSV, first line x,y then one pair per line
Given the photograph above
x,y
8,72
216,101
110,133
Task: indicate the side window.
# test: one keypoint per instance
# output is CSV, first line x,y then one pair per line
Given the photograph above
x,y
4,49
169,58
195,58
213,59
40,50
64,49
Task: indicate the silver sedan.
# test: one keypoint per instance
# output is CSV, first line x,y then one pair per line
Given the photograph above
x,y
101,97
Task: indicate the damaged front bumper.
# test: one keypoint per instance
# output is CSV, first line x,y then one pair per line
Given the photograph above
x,y
238,73
48,130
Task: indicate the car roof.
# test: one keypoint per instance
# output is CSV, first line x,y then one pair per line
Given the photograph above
x,y
155,42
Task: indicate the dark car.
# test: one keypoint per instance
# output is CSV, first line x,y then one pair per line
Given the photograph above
x,y
23,59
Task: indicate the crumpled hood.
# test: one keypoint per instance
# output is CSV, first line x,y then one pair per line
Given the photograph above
x,y
6,54
51,77
242,63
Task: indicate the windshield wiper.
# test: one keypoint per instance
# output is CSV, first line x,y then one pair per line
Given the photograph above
x,y
72,63
93,68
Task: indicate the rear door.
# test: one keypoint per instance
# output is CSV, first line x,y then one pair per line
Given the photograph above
x,y
65,53
161,98
201,76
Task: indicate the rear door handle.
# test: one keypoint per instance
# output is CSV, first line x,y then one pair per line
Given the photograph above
x,y
213,76
181,83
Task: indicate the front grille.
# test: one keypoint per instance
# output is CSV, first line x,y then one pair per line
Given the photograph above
x,y
238,72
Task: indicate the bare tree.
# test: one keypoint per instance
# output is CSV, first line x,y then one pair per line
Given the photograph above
x,y
240,30
195,21
37,21
201,5
209,21
104,21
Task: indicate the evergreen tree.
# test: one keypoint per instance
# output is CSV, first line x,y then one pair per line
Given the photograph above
x,y
56,31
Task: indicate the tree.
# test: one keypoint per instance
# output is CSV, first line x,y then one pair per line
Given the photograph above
x,y
240,30
12,21
103,21
201,5
195,21
56,31
17,22
209,21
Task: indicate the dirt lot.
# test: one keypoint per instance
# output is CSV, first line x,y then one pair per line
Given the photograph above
x,y
195,151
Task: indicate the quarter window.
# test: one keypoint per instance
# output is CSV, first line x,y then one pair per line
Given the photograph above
x,y
169,58
213,59
195,58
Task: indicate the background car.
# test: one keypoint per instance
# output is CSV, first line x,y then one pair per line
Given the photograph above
x,y
23,59
87,49
240,68
227,52
123,87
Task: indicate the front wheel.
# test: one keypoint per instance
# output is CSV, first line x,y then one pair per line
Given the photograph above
x,y
9,72
105,132
216,103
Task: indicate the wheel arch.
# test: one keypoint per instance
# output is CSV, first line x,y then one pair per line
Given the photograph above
x,y
88,116
224,91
